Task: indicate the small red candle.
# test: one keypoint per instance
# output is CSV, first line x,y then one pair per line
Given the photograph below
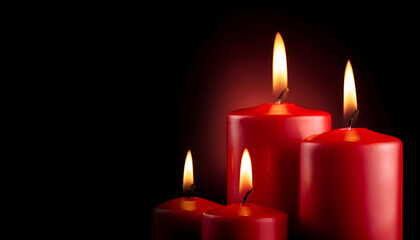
x,y
180,218
351,181
245,221
272,132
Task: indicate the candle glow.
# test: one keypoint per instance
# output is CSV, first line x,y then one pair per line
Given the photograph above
x,y
350,100
245,181
188,172
279,66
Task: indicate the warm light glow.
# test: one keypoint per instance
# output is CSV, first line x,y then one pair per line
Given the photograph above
x,y
188,172
245,180
279,66
350,100
351,136
188,205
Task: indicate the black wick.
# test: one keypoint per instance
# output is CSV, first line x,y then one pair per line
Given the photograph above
x,y
246,196
282,94
190,191
353,117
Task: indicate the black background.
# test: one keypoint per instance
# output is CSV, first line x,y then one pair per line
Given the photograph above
x,y
191,65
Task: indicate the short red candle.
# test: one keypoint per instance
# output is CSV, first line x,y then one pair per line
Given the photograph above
x,y
180,218
351,185
245,221
272,133
351,180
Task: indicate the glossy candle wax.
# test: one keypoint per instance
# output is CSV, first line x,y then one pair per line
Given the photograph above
x,y
351,185
244,222
180,218
272,133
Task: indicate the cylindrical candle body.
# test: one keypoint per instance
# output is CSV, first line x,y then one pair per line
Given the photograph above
x,y
180,218
351,185
272,134
244,222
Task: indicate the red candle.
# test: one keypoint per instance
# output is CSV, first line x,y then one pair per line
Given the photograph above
x,y
351,181
272,132
180,218
245,221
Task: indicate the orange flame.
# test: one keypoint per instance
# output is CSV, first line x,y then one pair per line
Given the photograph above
x,y
245,179
350,99
279,66
188,172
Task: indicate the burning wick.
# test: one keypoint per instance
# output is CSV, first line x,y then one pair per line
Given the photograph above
x,y
353,118
282,95
190,191
246,196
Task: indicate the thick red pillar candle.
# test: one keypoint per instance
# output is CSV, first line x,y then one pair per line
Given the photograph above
x,y
351,185
272,133
244,222
180,218
351,180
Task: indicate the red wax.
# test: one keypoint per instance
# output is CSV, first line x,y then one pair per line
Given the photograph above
x,y
351,185
244,222
272,134
180,218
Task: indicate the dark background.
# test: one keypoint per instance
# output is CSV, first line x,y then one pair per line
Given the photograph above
x,y
196,64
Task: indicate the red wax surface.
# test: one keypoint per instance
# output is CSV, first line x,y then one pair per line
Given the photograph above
x,y
351,185
180,218
272,133
244,222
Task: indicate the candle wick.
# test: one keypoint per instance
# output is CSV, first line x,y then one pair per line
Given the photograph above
x,y
281,96
246,196
190,191
353,118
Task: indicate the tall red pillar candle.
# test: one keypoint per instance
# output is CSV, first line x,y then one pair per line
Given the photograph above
x,y
272,132
180,218
245,221
351,183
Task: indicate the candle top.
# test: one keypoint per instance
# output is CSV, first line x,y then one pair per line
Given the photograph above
x,y
357,135
285,109
247,210
187,204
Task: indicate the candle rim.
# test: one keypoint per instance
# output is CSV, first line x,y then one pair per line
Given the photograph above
x,y
360,136
174,205
279,110
257,212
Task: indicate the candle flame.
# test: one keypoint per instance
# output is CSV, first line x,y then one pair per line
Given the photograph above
x,y
188,172
245,180
279,66
350,100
